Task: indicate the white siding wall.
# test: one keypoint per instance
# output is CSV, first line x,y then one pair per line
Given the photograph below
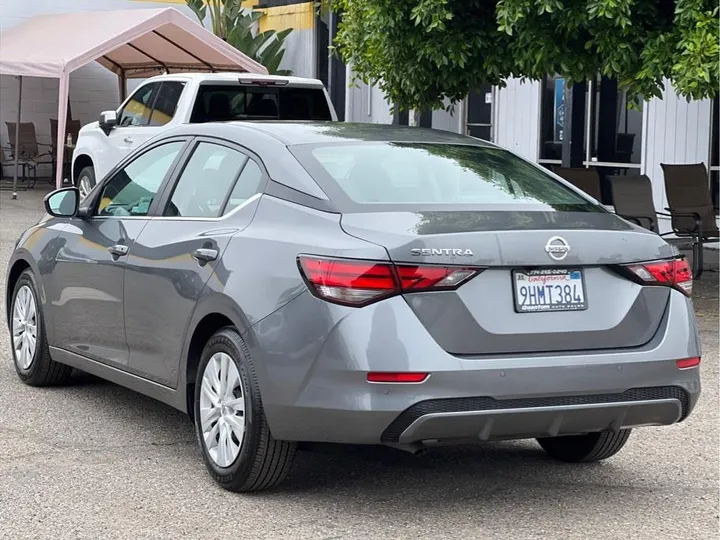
x,y
454,121
92,88
517,117
368,104
676,131
365,103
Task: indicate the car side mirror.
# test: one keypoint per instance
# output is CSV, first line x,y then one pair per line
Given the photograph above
x,y
63,202
108,120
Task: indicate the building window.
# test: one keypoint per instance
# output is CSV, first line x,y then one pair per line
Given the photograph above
x,y
552,120
612,134
615,134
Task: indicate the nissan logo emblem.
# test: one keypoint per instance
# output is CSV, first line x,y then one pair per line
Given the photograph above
x,y
557,247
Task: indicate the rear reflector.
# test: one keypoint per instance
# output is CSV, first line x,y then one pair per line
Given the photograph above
x,y
358,283
687,363
402,377
674,273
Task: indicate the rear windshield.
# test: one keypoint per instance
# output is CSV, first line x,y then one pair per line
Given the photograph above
x,y
220,103
435,174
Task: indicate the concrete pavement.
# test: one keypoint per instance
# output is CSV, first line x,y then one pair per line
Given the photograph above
x,y
93,460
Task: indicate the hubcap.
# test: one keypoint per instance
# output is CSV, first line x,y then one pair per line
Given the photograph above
x,y
222,409
24,327
84,186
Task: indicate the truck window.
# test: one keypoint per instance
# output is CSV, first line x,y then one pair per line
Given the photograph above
x,y
220,103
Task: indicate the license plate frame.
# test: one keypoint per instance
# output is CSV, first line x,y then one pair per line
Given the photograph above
x,y
552,277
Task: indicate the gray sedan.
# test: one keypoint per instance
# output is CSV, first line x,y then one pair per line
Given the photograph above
x,y
289,283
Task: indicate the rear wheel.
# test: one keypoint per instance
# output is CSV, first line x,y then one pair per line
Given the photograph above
x,y
86,181
238,449
29,345
585,448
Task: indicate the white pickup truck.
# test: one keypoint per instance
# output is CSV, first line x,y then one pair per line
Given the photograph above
x,y
166,101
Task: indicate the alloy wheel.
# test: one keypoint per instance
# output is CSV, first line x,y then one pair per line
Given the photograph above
x,y
84,186
24,327
222,409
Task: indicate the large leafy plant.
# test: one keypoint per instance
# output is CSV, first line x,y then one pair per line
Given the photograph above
x,y
422,51
238,27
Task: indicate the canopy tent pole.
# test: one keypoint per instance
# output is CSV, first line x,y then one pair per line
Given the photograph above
x,y
17,138
63,92
122,84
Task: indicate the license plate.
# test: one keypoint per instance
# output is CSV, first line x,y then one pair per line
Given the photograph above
x,y
549,289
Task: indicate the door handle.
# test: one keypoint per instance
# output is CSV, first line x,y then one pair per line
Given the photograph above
x,y
128,140
118,250
205,255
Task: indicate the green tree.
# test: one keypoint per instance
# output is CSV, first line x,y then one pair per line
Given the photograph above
x,y
422,51
235,25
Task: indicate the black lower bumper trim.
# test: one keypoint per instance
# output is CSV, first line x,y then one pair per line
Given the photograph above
x,y
432,406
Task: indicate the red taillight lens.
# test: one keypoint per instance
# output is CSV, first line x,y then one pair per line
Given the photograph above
x,y
358,283
672,273
687,363
400,377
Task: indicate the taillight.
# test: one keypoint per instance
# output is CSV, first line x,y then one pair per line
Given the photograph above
x,y
687,363
358,283
674,273
396,377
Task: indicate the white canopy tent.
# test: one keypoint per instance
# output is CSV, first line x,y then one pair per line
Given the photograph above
x,y
131,43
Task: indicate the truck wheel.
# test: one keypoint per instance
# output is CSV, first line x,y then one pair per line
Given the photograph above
x,y
86,181
585,448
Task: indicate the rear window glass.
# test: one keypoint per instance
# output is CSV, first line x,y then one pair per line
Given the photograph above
x,y
448,174
219,103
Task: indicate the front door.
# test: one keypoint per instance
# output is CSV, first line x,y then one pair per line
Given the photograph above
x,y
87,280
178,252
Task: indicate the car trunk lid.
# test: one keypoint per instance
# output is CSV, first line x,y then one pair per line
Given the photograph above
x,y
484,315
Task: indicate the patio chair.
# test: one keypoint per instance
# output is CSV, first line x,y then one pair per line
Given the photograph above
x,y
588,180
690,207
73,128
29,154
633,200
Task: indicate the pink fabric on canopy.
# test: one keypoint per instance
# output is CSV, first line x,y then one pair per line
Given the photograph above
x,y
134,43
139,41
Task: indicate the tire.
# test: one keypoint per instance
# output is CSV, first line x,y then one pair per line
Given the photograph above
x,y
37,368
261,461
86,180
585,448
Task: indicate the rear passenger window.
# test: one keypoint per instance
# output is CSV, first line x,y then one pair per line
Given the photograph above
x,y
166,102
248,184
205,182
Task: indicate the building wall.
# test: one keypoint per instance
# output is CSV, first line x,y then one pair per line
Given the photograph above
x,y
517,117
300,44
367,103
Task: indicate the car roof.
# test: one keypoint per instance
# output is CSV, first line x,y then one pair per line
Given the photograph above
x,y
296,133
234,76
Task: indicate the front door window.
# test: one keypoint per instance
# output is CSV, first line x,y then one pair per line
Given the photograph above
x,y
130,191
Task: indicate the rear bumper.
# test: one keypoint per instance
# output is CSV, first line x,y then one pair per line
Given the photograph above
x,y
315,387
490,419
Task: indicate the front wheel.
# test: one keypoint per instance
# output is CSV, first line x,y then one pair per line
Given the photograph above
x,y
86,181
238,449
29,345
585,448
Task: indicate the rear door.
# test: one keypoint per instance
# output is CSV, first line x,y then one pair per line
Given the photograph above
x,y
179,250
143,116
548,253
